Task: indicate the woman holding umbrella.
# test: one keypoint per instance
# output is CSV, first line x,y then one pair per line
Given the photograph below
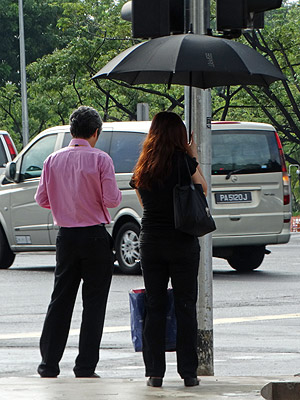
x,y
167,253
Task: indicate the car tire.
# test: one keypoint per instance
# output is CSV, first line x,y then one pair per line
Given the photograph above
x,y
127,248
6,255
245,259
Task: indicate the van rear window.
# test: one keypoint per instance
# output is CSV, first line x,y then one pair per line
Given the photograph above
x,y
245,152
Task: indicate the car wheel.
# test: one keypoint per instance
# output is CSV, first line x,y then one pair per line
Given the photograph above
x,y
6,255
127,248
245,259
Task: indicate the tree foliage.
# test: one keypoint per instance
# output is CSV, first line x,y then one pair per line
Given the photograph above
x,y
89,33
278,104
42,34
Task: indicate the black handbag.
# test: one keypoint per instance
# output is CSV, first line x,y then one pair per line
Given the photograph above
x,y
191,212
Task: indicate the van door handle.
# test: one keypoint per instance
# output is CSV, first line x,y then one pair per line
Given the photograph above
x,y
234,217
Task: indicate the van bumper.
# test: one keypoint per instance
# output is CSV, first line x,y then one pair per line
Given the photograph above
x,y
254,240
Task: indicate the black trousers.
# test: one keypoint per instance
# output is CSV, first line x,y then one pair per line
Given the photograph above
x,y
175,255
81,254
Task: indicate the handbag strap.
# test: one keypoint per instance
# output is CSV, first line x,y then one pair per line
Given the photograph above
x,y
187,166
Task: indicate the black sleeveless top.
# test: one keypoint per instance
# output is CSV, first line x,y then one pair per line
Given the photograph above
x,y
158,210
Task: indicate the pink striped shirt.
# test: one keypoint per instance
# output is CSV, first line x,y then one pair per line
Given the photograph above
x,y
78,184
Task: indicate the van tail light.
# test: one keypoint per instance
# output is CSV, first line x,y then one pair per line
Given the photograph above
x,y
286,188
282,159
285,177
10,146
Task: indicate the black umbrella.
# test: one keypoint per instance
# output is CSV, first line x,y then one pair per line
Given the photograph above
x,y
193,60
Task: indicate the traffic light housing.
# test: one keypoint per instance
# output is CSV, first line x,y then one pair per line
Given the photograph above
x,y
155,18
235,15
150,18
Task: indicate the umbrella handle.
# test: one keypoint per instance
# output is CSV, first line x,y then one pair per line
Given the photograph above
x,y
190,108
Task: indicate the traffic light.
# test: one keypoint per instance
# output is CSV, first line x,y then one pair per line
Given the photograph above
x,y
235,15
150,18
155,18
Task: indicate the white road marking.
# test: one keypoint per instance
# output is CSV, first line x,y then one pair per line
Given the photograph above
x,y
73,332
222,321
116,329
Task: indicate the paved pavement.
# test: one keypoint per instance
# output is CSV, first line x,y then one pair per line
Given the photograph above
x,y
67,388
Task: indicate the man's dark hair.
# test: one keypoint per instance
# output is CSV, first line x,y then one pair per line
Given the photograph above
x,y
84,121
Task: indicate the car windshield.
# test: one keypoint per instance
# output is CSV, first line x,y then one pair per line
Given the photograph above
x,y
244,152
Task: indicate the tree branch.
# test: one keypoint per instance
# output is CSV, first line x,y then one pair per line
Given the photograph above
x,y
289,65
174,102
75,88
117,103
255,43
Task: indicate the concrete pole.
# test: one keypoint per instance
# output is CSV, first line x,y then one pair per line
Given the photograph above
x,y
142,112
201,125
25,129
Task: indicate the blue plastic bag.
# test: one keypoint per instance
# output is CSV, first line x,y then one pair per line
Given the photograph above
x,y
137,317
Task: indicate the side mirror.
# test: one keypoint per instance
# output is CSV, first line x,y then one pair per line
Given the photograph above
x,y
10,171
297,172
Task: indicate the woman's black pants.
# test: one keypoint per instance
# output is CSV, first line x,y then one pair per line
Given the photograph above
x,y
175,255
81,254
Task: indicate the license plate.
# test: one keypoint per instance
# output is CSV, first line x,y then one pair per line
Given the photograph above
x,y
236,197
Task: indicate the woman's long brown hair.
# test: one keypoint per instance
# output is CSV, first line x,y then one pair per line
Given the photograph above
x,y
167,133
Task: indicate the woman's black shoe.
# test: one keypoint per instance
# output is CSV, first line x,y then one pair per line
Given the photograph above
x,y
46,373
191,381
93,375
154,382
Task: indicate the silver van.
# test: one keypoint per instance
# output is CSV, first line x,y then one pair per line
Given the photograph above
x,y
251,200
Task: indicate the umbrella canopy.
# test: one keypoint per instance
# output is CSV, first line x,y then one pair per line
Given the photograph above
x,y
193,60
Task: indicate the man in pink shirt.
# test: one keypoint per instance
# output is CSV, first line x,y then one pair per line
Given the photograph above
x,y
78,184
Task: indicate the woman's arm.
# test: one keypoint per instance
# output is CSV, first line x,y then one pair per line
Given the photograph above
x,y
198,176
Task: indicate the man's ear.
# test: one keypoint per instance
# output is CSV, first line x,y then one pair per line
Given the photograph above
x,y
95,134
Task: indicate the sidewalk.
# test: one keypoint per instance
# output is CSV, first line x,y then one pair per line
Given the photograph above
x,y
67,388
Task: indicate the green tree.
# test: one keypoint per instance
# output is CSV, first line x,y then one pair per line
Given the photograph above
x,y
42,34
279,104
10,111
60,81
